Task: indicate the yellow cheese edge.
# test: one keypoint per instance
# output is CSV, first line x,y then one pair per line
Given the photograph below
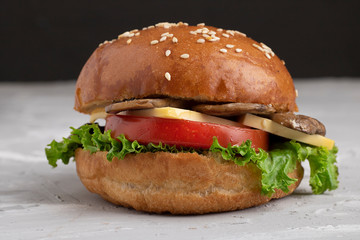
x,y
97,114
178,113
277,129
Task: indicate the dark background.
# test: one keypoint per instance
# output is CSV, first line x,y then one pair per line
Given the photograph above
x,y
51,40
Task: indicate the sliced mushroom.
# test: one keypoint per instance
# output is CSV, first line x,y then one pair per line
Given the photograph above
x,y
301,123
143,104
234,109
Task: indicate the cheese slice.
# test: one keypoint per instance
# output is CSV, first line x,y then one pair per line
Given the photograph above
x,y
277,129
178,113
98,113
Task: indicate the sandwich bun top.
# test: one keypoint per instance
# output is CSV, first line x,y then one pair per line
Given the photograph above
x,y
198,63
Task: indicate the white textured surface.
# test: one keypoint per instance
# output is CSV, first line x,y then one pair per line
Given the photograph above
x,y
38,202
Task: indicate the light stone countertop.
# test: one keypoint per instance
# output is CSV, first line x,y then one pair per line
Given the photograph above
x,y
38,202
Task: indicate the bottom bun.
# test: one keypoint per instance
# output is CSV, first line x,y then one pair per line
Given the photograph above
x,y
179,183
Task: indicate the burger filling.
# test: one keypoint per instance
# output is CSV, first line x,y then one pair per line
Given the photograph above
x,y
175,130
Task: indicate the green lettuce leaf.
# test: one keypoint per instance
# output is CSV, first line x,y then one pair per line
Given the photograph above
x,y
323,171
274,165
90,137
275,169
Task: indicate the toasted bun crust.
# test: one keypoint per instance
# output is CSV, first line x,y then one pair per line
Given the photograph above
x,y
131,67
182,183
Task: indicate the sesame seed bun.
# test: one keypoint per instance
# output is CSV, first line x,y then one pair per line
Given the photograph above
x,y
182,183
184,62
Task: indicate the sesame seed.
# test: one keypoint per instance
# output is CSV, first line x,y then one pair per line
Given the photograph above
x,y
100,44
125,34
193,32
266,49
144,28
168,76
200,40
185,55
199,30
211,32
223,50
165,25
206,36
283,62
137,34
129,41
174,40
205,30
219,29
210,39
238,50
265,46
230,32
134,30
165,34
163,39
151,26
296,93
186,24
258,47
167,53
153,42
240,33
229,46
170,35
200,24
226,35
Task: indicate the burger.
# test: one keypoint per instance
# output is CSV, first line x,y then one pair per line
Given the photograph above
x,y
198,119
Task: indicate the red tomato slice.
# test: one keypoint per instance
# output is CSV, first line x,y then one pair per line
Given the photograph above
x,y
182,132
